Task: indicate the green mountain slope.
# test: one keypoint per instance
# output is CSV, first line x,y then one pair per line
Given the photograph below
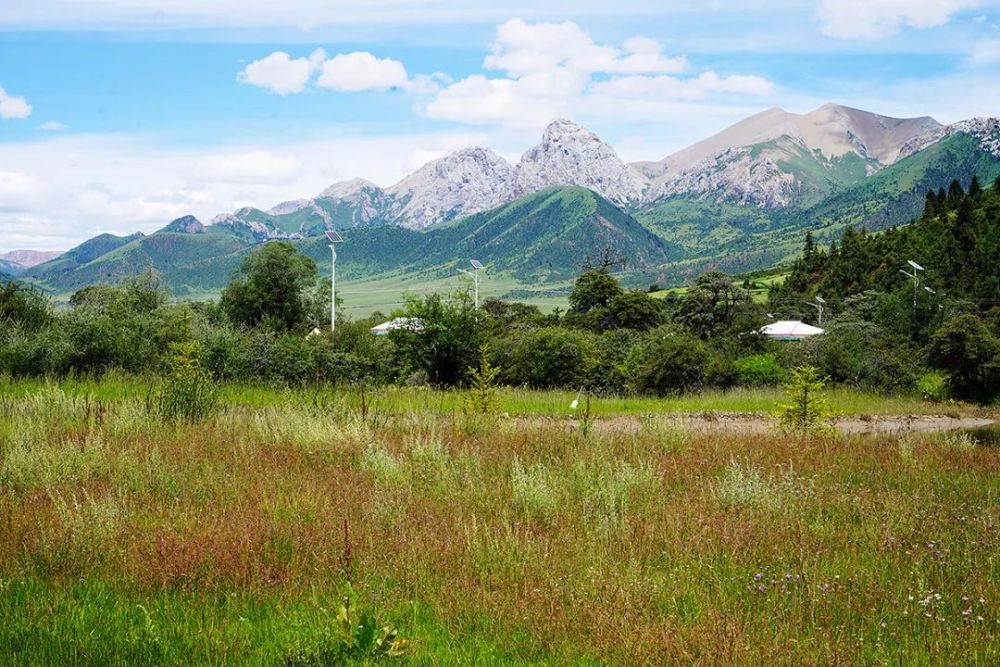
x,y
895,195
742,238
543,237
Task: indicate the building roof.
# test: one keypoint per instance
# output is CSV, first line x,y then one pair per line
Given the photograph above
x,y
790,330
409,323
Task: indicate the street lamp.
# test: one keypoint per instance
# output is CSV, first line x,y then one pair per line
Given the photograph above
x,y
916,280
477,266
818,305
334,238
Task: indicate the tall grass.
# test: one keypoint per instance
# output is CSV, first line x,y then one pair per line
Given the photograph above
x,y
127,540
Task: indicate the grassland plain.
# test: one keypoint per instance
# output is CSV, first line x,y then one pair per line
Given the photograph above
x,y
127,540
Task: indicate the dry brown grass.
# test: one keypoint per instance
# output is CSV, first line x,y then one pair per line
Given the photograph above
x,y
651,546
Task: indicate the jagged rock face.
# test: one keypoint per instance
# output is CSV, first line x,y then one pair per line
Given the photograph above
x,y
749,163
368,202
570,154
462,183
260,228
186,225
772,159
286,207
986,130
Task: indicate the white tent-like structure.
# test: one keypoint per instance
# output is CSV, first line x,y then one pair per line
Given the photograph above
x,y
790,330
412,324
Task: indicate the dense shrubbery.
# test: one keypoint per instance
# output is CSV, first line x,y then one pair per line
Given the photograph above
x,y
879,335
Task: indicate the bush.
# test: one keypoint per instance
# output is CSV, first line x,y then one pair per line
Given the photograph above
x,y
672,362
864,355
759,370
933,386
806,409
548,357
188,392
969,352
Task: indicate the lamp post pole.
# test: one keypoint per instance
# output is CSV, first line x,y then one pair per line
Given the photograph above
x,y
334,238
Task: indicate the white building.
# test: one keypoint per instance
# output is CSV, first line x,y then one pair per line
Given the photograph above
x,y
790,330
412,324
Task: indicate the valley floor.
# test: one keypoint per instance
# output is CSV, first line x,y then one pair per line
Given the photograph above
x,y
643,539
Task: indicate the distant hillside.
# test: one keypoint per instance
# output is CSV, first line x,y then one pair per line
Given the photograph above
x,y
544,236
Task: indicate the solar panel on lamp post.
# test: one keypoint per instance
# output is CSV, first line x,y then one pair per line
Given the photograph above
x,y
477,266
916,279
818,305
334,238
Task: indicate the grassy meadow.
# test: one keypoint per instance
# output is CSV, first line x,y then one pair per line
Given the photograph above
x,y
128,540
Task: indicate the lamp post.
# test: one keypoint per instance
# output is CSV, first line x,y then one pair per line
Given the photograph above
x,y
477,266
818,305
916,279
334,238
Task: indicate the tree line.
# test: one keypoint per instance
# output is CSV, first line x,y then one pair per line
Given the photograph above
x,y
610,339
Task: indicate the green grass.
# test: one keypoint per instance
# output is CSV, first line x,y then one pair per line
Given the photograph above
x,y
516,402
129,540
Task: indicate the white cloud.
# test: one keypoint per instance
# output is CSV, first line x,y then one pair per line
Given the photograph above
x,y
20,191
127,183
985,52
52,126
874,19
253,167
528,102
12,106
697,88
282,74
360,70
556,69
523,48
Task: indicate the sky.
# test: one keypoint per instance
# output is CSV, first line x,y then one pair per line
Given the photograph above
x,y
121,115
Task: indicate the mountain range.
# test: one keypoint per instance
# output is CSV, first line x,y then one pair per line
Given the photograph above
x,y
738,200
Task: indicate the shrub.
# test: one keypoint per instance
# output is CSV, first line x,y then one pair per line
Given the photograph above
x,y
548,357
483,401
759,370
806,409
672,362
933,386
188,393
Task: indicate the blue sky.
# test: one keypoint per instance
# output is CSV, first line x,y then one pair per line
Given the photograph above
x,y
118,115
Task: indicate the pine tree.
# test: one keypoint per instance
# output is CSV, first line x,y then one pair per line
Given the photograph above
x,y
975,190
955,194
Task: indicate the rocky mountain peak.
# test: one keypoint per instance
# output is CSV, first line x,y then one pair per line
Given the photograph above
x,y
570,154
347,189
461,183
185,225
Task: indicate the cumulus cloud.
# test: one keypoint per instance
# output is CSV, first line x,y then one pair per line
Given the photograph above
x,y
556,69
282,74
874,19
12,106
523,48
345,72
360,70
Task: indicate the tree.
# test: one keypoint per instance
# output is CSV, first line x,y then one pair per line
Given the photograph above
x,y
595,288
713,305
445,339
806,409
634,309
969,353
24,306
271,290
672,362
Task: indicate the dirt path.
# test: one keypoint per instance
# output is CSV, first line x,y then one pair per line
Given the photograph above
x,y
752,423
